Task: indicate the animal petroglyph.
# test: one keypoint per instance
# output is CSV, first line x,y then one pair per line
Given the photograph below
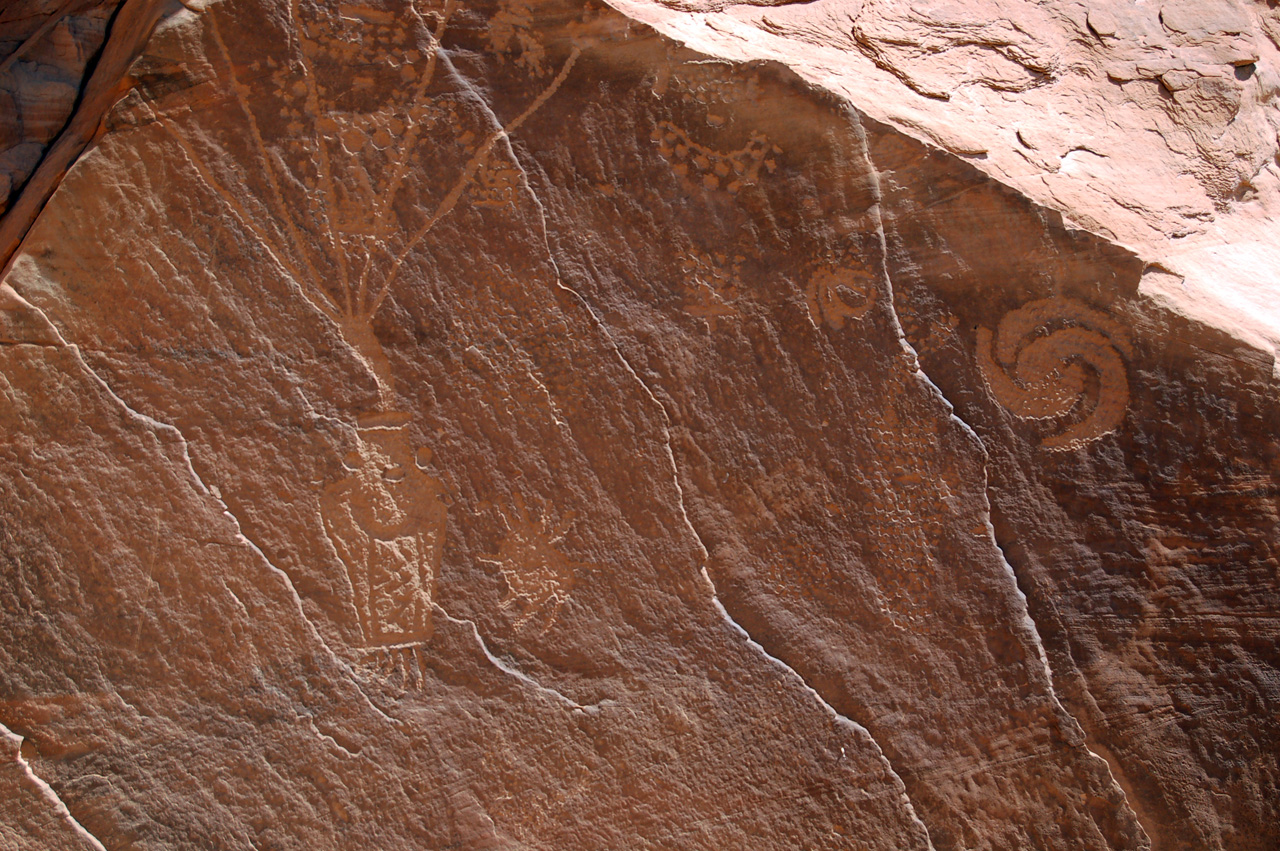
x,y
837,294
386,521
1052,356
539,577
699,165
342,186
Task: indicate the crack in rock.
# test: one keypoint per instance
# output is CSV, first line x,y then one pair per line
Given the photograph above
x,y
515,673
843,720
202,489
47,791
1029,627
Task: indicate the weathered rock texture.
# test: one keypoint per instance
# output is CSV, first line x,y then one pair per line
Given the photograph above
x,y
1152,123
44,51
60,80
500,426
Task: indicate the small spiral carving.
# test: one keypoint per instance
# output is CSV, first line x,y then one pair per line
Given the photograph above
x,y
1037,366
831,290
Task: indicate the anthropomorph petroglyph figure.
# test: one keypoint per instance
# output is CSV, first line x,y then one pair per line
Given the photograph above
x,y
386,520
340,192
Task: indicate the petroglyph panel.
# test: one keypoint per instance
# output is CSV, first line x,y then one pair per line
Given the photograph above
x,y
696,511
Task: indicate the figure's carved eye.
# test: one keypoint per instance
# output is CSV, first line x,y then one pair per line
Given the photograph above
x,y
393,473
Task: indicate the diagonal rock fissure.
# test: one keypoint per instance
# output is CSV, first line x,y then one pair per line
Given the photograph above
x,y
514,673
203,490
48,792
131,25
841,719
603,328
1030,628
857,729
1115,769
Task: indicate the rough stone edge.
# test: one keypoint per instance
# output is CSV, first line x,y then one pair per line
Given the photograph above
x,y
108,80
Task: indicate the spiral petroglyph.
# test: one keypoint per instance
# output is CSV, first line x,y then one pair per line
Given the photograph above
x,y
1056,358
836,294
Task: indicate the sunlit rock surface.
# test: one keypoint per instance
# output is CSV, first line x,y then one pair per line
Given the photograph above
x,y
502,425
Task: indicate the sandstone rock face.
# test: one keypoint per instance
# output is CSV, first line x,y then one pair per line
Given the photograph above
x,y
1153,124
44,50
500,425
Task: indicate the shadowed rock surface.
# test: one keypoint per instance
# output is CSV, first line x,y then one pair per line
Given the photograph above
x,y
500,426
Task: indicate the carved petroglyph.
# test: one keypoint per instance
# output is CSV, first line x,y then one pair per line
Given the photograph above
x,y
386,521
701,166
398,666
337,157
539,577
334,179
497,183
1054,356
511,36
711,285
835,294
